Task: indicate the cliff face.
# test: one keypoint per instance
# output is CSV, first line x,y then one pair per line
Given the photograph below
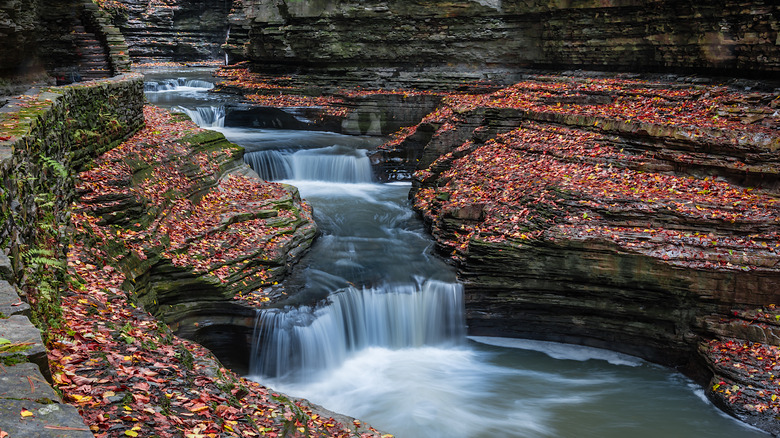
x,y
178,30
477,39
59,38
19,22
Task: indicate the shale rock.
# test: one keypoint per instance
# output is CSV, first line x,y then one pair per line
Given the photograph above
x,y
190,226
174,31
586,210
440,44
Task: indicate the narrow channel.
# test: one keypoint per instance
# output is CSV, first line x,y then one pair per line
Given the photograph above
x,y
376,327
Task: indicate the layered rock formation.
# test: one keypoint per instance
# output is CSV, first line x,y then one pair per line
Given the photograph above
x,y
614,213
440,44
179,30
191,227
39,38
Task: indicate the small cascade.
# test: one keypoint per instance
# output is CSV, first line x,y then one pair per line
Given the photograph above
x,y
180,84
271,165
295,343
333,164
206,116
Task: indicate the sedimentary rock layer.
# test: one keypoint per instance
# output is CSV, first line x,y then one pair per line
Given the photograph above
x,y
390,42
174,30
638,216
188,224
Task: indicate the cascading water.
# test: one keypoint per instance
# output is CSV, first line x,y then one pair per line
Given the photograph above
x,y
206,117
297,343
178,85
334,163
385,342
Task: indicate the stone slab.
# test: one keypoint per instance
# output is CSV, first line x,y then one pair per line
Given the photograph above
x,y
19,329
25,382
54,420
10,303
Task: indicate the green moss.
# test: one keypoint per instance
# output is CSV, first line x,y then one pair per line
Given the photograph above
x,y
13,359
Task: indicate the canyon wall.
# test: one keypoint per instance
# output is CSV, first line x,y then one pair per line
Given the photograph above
x,y
179,30
638,216
57,38
439,43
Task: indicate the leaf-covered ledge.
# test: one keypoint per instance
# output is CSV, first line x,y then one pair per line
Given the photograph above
x,y
189,224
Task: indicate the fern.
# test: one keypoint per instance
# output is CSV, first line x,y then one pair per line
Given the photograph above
x,y
42,257
56,166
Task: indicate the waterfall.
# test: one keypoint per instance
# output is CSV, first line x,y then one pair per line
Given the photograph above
x,y
272,165
206,116
180,84
334,164
297,342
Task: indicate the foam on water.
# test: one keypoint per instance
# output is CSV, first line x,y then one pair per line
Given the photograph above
x,y
562,351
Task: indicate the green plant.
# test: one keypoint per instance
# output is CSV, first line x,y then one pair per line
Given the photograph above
x,y
42,257
56,166
295,419
6,346
185,357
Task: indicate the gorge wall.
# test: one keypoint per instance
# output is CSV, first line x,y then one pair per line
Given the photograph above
x,y
398,41
633,215
179,30
59,42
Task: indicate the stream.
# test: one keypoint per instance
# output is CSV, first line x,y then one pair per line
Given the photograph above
x,y
387,341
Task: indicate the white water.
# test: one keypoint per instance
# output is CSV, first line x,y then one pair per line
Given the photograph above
x,y
179,85
388,345
333,164
299,343
206,117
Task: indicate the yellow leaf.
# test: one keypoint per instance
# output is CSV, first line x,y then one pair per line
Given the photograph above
x,y
81,398
131,433
26,413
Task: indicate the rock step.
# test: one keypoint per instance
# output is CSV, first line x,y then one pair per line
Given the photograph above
x,y
10,303
94,62
29,406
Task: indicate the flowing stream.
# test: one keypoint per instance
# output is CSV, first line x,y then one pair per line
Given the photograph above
x,y
386,340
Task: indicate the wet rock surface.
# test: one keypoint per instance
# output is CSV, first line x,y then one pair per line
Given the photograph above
x,y
187,224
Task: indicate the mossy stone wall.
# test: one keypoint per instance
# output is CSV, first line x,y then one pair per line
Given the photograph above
x,y
47,138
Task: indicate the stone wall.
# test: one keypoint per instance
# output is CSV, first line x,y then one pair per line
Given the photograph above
x,y
488,39
46,137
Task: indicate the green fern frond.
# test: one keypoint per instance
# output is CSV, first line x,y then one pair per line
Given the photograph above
x,y
55,165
